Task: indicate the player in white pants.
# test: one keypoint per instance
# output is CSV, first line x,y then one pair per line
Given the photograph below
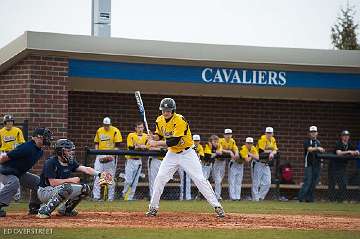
x,y
173,131
261,173
135,141
185,185
107,137
236,168
230,149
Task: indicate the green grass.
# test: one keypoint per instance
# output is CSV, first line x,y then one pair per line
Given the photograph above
x,y
267,207
186,234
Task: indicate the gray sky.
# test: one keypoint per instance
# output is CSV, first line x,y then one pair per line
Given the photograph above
x,y
280,23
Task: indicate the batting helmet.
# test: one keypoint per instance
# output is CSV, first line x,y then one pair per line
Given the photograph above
x,y
8,118
167,104
62,144
45,133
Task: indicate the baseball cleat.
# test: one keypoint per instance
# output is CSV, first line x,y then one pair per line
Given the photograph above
x,y
152,212
220,212
2,212
43,213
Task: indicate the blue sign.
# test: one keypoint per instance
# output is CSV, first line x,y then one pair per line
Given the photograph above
x,y
211,75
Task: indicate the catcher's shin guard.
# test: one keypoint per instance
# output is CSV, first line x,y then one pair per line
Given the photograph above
x,y
46,209
70,204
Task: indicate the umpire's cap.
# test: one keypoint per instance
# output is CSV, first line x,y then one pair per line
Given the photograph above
x,y
8,118
167,104
45,133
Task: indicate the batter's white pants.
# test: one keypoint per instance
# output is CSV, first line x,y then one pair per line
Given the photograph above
x,y
185,185
132,173
235,177
261,180
189,161
153,169
104,167
218,173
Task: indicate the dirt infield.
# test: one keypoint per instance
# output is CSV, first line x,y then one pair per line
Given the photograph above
x,y
185,220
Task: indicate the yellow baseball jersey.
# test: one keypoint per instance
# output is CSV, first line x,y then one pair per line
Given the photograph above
x,y
265,144
209,149
199,150
11,138
229,145
133,139
177,126
107,138
244,152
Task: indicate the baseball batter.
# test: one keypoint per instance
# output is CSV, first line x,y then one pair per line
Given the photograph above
x,y
14,167
107,137
248,152
10,137
135,141
261,173
58,186
173,131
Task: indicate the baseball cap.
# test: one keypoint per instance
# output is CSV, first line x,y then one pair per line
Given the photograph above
x,y
107,120
228,131
313,129
345,132
269,130
196,137
249,140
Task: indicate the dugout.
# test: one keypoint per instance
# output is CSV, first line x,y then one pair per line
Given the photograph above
x,y
70,82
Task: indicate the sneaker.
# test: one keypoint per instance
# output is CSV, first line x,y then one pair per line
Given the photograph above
x,y
33,209
219,212
2,212
152,212
43,213
66,213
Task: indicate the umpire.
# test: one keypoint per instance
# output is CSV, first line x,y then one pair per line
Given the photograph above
x,y
14,167
337,167
312,146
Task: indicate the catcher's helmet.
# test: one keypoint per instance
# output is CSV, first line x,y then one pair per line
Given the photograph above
x,y
167,104
62,144
45,133
8,118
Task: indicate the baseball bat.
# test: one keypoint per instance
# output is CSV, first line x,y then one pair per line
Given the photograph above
x,y
141,110
126,196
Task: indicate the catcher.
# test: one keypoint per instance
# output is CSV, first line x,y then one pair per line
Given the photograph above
x,y
56,184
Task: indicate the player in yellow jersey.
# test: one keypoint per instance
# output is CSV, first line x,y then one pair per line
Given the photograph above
x,y
261,173
212,149
10,137
247,153
135,141
107,137
229,147
173,131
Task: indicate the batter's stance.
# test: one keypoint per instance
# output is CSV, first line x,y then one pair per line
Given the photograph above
x,y
173,131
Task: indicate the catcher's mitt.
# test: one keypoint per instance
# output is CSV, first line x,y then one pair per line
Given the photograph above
x,y
106,159
105,179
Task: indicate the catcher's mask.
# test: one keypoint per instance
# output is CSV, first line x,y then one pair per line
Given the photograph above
x,y
65,148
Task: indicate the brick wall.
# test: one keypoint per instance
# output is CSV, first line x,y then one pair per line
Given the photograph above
x,y
36,89
210,115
